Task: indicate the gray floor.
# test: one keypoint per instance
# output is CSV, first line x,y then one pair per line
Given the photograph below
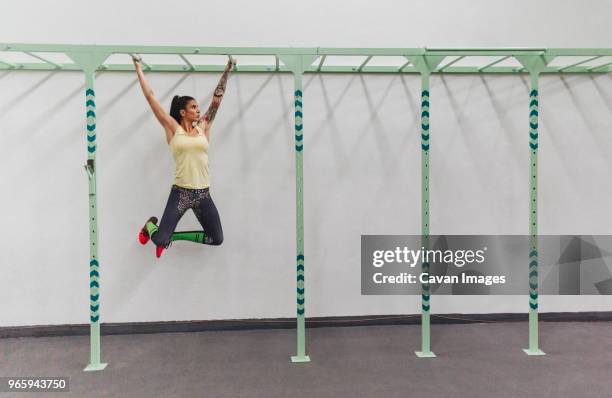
x,y
475,360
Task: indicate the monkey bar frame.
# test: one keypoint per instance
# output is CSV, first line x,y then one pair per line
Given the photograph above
x,y
298,61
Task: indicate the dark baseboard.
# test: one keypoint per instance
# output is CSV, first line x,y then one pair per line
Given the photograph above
x,y
289,323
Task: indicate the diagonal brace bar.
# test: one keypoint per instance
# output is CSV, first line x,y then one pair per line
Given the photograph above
x,y
441,69
401,68
185,60
599,67
57,66
580,63
494,63
364,63
321,63
10,65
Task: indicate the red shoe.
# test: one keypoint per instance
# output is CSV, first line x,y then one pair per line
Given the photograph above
x,y
143,235
159,250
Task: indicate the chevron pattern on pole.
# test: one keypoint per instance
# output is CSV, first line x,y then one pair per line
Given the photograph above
x,y
90,103
300,285
94,292
299,138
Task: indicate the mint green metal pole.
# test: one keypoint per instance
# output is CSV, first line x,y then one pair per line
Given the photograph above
x,y
534,64
297,64
88,62
425,293
425,65
94,265
533,218
299,203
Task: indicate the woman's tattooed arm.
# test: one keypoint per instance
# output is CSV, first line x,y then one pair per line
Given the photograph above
x,y
210,114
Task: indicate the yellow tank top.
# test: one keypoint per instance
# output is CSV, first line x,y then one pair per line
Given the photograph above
x,y
190,155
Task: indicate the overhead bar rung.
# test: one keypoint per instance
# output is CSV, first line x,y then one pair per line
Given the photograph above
x,y
495,62
43,59
579,63
321,63
599,67
450,63
9,64
185,60
401,68
364,63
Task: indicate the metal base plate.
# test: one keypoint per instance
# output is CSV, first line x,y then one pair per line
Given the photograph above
x,y
422,354
297,359
95,367
536,352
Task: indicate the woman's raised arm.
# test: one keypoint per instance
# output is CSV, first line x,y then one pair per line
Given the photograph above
x,y
210,114
167,121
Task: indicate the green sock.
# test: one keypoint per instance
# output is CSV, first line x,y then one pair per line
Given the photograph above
x,y
151,228
192,236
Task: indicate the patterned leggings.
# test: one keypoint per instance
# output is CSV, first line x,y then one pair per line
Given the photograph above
x,y
179,201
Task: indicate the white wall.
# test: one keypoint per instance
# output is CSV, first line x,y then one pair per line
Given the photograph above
x,y
362,158
345,23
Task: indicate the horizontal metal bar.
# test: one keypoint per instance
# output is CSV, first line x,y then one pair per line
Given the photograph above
x,y
451,70
558,52
486,49
203,68
487,52
129,49
371,51
313,69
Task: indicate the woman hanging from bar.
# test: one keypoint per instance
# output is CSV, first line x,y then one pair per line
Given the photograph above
x,y
188,135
